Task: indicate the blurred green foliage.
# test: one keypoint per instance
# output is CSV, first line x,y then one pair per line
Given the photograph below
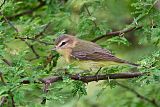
x,y
27,31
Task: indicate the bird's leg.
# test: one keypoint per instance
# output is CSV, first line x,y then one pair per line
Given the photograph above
x,y
97,73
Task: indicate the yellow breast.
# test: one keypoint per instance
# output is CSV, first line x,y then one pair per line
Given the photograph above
x,y
66,53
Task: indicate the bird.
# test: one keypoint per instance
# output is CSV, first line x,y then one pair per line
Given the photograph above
x,y
73,48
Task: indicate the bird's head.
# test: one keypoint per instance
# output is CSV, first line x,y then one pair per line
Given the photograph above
x,y
64,42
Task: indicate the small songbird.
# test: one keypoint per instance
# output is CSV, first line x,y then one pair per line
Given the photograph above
x,y
71,48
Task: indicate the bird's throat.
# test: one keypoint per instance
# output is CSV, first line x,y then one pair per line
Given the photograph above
x,y
66,53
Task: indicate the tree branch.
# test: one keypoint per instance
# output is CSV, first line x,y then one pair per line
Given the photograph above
x,y
125,30
6,61
90,78
46,85
86,79
16,30
41,33
152,101
117,33
34,51
33,39
2,3
2,101
37,36
30,11
95,24
32,48
48,59
7,21
12,99
2,79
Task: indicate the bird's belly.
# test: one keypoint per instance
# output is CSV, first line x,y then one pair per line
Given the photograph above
x,y
91,65
84,64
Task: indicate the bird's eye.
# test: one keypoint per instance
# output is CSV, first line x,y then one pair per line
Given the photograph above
x,y
63,43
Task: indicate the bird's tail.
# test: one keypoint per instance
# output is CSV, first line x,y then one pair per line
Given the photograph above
x,y
124,61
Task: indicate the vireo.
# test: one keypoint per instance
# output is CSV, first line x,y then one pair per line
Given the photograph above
x,y
86,52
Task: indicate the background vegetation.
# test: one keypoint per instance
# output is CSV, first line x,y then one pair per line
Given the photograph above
x,y
29,70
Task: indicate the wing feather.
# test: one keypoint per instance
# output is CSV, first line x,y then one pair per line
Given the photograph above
x,y
91,51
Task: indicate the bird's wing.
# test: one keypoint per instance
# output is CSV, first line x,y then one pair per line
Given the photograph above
x,y
91,51
97,56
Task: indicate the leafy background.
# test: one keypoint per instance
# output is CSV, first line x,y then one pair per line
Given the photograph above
x,y
27,31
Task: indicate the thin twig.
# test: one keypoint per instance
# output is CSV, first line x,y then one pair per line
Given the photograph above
x,y
30,46
37,36
2,101
46,89
33,39
30,11
41,33
95,24
152,101
2,3
2,79
37,56
6,61
117,33
48,59
34,51
7,21
12,99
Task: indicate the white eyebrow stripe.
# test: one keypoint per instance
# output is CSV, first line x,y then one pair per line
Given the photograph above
x,y
65,40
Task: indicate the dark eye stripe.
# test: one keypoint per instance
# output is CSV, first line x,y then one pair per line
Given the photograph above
x,y
63,43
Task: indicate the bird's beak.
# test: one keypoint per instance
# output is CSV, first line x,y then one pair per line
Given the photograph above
x,y
54,49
